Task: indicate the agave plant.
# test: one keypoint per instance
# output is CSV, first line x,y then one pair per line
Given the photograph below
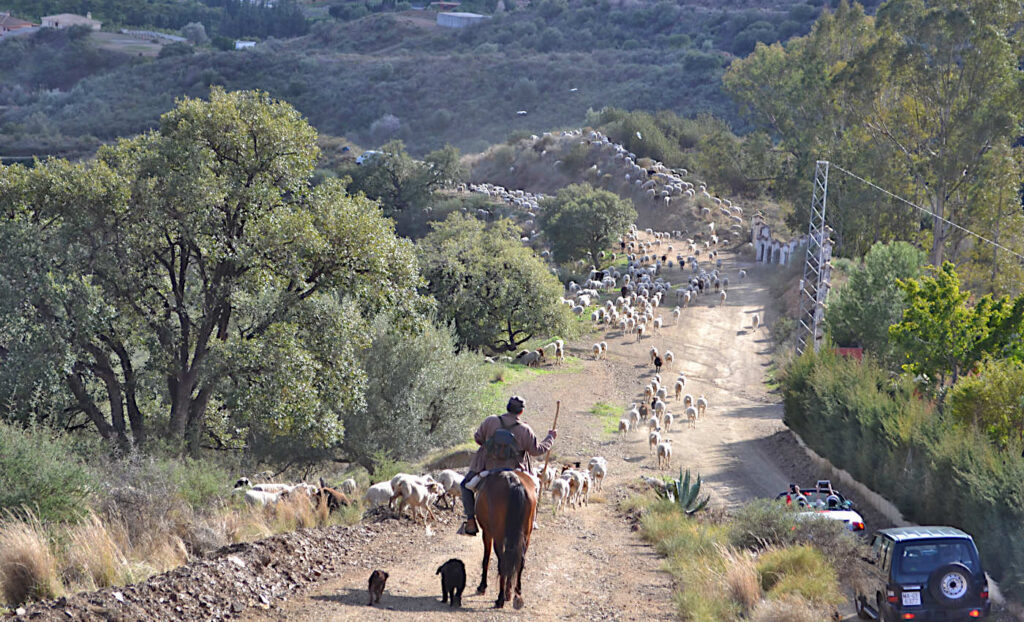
x,y
683,494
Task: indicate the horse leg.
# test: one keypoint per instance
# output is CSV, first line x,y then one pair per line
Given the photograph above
x,y
482,588
503,594
517,602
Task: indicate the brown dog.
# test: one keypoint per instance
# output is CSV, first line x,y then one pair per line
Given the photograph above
x,y
377,581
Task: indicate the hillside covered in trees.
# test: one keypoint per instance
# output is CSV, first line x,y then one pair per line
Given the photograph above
x,y
396,75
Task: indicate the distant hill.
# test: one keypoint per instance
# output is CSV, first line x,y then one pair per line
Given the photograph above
x,y
394,75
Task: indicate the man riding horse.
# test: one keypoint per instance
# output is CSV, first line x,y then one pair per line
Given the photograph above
x,y
505,443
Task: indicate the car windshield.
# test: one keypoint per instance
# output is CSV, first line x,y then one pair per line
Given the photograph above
x,y
918,560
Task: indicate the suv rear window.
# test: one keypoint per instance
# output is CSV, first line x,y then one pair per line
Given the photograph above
x,y
917,560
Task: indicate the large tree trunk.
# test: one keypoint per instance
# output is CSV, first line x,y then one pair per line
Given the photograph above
x,y
181,388
87,405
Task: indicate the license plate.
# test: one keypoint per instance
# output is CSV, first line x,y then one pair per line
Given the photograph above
x,y
911,598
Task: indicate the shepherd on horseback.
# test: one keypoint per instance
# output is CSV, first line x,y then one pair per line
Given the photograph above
x,y
506,443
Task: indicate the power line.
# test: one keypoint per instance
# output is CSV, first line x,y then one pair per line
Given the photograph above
x,y
929,212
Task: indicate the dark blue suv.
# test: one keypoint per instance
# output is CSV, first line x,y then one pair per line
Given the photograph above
x,y
923,573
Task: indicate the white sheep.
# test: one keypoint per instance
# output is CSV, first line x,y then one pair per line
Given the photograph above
x,y
754,321
679,388
640,329
397,480
654,438
652,424
669,357
417,495
275,488
576,483
702,405
349,486
598,469
624,425
721,297
604,349
691,417
378,495
662,394
667,421
653,354
559,493
743,274
263,497
597,351
675,315
687,400
659,408
665,454
451,482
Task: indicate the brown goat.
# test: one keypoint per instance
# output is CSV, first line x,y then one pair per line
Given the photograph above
x,y
335,499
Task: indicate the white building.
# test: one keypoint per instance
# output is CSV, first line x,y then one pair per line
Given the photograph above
x,y
67,20
459,20
241,45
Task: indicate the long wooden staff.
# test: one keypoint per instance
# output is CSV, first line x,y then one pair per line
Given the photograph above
x,y
554,426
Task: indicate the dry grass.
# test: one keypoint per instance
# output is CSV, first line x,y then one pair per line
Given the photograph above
x,y
788,609
28,569
92,558
742,578
245,523
296,512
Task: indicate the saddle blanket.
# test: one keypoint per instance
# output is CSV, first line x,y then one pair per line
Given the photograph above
x,y
473,483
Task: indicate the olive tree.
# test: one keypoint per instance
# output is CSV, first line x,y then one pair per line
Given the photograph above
x,y
421,394
496,292
195,279
581,221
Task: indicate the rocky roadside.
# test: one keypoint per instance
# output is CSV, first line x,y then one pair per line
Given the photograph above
x,y
220,587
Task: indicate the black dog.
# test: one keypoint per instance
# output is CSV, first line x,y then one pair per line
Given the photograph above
x,y
377,581
453,581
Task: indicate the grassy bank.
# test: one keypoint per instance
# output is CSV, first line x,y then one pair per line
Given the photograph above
x,y
758,563
878,429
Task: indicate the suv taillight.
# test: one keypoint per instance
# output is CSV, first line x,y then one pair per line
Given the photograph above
x,y
857,526
984,593
891,596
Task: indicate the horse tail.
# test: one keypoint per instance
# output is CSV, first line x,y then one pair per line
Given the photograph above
x,y
510,562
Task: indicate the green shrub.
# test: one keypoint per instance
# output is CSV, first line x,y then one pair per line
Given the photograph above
x,y
38,471
385,467
799,570
861,311
761,523
201,482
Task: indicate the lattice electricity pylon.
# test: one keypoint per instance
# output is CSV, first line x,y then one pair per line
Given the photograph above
x,y
817,267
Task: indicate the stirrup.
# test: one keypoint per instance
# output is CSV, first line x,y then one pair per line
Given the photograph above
x,y
464,530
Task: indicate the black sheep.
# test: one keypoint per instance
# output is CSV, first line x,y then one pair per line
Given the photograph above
x,y
453,581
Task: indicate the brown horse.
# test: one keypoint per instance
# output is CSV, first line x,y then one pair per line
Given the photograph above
x,y
505,508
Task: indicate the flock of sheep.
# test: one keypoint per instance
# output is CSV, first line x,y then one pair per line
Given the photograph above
x,y
644,285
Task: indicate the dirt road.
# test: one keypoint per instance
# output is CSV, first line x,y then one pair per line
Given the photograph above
x,y
588,564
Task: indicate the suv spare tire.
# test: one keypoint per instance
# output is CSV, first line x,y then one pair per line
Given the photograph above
x,y
950,585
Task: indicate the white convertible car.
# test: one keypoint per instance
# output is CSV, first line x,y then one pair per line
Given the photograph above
x,y
825,502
